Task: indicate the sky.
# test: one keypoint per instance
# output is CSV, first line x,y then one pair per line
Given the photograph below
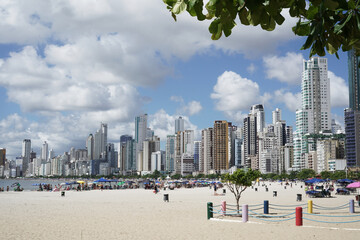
x,y
66,66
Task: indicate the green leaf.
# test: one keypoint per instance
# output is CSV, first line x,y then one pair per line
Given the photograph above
x,y
338,27
330,4
311,12
241,3
243,16
302,28
351,4
215,29
179,7
279,18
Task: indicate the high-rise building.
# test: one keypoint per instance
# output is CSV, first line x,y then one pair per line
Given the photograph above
x,y
100,142
206,161
314,115
149,146
354,80
127,155
2,156
179,125
170,153
352,144
258,111
184,144
197,147
221,146
140,133
45,151
26,149
276,115
90,147
352,114
250,140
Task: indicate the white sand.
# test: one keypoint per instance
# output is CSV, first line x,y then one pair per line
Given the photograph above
x,y
140,214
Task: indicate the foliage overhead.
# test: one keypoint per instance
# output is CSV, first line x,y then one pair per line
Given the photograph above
x,y
327,24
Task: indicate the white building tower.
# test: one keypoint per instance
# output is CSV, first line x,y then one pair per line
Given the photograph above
x,y
179,125
26,148
314,115
45,152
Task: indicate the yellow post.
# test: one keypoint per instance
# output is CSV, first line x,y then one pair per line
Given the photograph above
x,y
310,206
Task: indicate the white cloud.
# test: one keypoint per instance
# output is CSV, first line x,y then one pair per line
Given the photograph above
x,y
251,68
163,124
191,108
339,91
234,94
286,69
291,100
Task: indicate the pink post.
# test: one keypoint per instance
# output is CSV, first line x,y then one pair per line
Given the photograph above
x,y
245,213
223,207
298,216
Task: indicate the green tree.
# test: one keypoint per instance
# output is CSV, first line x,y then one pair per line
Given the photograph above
x,y
326,175
339,175
327,24
293,175
239,181
306,173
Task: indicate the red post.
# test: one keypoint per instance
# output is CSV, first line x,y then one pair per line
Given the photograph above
x,y
298,216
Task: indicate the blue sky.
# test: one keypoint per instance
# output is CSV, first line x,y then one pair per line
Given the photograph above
x,y
67,66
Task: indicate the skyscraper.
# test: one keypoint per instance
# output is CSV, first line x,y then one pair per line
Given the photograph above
x,y
276,115
250,140
140,133
2,156
45,151
206,161
26,149
179,125
170,153
100,142
314,115
221,146
354,80
90,146
258,111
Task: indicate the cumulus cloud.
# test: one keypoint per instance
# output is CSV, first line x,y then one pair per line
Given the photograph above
x,y
291,100
251,68
163,124
191,108
339,91
234,94
285,69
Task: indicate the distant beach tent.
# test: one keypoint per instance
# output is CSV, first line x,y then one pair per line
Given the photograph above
x,y
81,182
102,180
345,181
314,180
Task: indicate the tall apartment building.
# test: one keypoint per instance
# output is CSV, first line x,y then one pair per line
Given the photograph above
x,y
352,114
314,115
45,151
90,146
221,146
100,142
170,153
258,111
2,156
184,144
197,147
179,125
206,161
140,135
250,141
276,115
26,149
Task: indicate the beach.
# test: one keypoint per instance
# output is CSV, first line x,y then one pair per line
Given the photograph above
x,y
141,214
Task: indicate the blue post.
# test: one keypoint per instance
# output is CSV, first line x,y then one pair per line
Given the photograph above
x,y
351,206
266,207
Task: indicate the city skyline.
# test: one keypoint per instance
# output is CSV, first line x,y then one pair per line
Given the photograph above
x,y
57,83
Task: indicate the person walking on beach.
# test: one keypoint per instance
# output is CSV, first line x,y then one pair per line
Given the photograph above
x,y
215,188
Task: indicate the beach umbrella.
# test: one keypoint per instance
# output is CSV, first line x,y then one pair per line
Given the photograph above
x,y
315,180
81,182
353,185
345,181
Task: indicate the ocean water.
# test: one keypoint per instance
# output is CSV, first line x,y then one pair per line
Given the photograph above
x,y
27,184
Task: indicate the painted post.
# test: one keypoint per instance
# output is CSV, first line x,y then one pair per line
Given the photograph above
x,y
245,213
351,206
266,207
223,207
209,210
298,216
310,206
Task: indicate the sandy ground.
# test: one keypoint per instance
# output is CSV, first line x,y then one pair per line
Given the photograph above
x,y
140,214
